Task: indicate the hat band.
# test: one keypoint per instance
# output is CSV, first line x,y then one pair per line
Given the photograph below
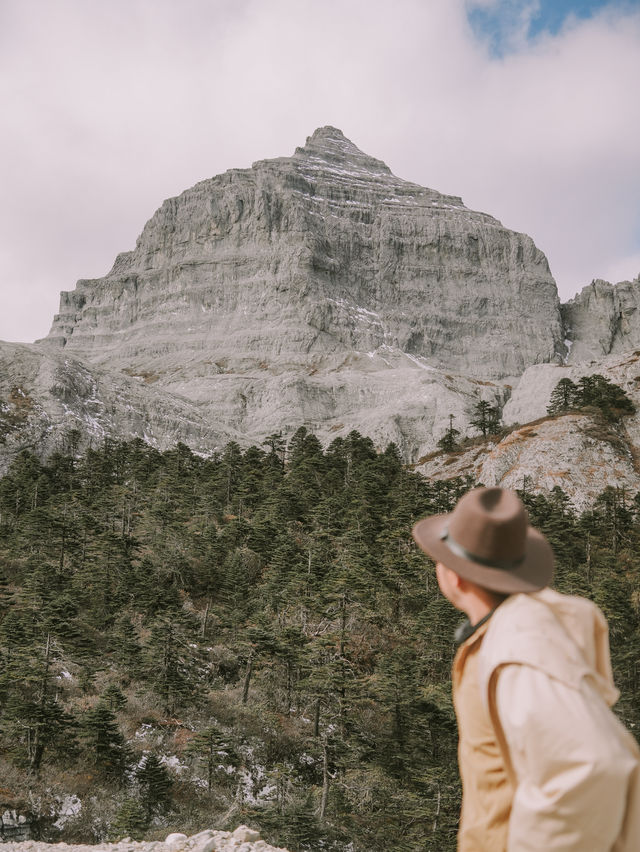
x,y
459,550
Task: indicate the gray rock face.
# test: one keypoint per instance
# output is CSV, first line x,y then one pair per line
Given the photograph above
x,y
391,397
602,320
320,254
44,396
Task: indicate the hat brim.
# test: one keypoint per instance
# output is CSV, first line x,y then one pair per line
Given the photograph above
x,y
533,573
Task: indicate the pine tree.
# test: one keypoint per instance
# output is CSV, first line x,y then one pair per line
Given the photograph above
x,y
155,784
449,440
564,397
586,391
610,398
170,661
124,645
114,698
131,820
34,722
104,742
231,464
211,748
6,596
486,418
277,448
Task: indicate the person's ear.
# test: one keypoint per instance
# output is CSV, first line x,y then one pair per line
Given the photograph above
x,y
461,583
457,581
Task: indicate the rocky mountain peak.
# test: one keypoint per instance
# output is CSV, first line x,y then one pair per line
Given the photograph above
x,y
329,145
317,289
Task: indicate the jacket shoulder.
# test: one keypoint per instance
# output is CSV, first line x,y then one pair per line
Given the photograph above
x,y
562,635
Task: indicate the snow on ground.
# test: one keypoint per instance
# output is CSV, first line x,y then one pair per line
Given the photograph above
x,y
67,809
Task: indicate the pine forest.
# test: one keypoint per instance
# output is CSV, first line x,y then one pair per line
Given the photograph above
x,y
253,637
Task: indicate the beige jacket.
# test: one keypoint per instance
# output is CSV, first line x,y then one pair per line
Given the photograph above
x,y
487,792
545,682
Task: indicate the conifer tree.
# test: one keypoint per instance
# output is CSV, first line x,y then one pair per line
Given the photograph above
x,y
230,465
564,397
114,698
105,744
33,720
155,784
6,596
125,646
170,660
449,440
587,393
610,398
131,820
486,418
211,748
277,448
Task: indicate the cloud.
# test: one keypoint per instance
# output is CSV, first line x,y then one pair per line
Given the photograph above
x,y
108,108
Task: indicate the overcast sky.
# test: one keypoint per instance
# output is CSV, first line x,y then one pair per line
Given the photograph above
x,y
528,110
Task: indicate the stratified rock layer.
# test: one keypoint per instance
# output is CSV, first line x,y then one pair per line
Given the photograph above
x,y
318,255
603,319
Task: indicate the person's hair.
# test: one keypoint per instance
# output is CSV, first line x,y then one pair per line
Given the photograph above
x,y
497,597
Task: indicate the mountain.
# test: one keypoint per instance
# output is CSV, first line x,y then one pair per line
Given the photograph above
x,y
308,259
318,290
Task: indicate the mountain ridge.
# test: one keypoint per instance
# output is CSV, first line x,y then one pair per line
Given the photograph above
x,y
302,233
320,290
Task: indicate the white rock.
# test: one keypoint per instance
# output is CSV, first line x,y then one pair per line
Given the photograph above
x,y
245,834
202,835
212,843
175,838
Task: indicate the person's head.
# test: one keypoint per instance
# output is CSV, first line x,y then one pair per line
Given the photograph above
x,y
485,549
470,598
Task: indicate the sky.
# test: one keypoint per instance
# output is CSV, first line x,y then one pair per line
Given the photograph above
x,y
527,109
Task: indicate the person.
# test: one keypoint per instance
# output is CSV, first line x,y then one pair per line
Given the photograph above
x,y
544,763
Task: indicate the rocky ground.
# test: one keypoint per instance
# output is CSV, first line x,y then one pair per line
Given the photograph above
x,y
243,839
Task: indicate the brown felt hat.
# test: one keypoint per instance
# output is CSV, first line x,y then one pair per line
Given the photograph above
x,y
488,540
